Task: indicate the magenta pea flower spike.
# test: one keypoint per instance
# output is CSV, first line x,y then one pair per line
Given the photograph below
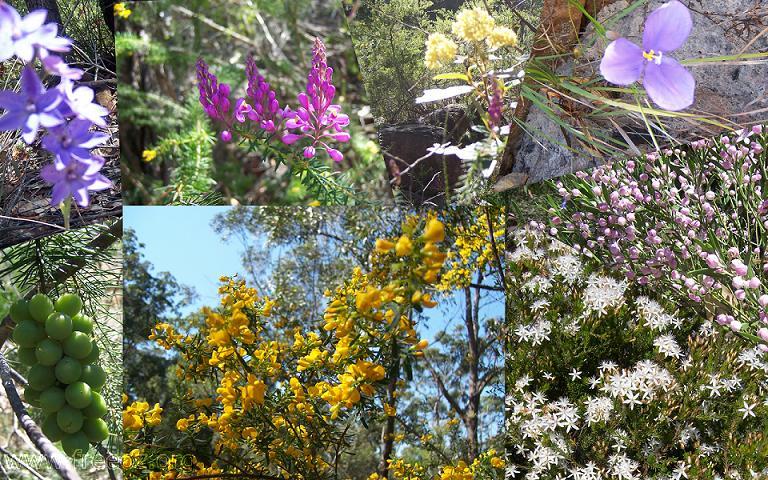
x,y
668,84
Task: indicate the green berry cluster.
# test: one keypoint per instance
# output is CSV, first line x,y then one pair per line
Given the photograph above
x,y
64,378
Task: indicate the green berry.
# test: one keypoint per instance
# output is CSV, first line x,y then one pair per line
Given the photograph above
x,y
40,377
50,428
27,356
20,311
68,370
95,429
32,396
69,419
40,306
78,345
52,400
82,323
78,395
97,408
75,445
95,376
58,326
69,303
92,357
27,334
48,352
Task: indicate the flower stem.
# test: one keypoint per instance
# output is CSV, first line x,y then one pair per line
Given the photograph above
x,y
66,207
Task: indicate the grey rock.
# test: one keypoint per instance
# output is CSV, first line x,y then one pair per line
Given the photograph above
x,y
543,155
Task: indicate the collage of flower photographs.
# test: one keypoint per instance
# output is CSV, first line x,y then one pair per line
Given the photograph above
x,y
384,239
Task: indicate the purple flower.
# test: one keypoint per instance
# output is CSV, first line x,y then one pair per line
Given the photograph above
x,y
73,141
78,102
55,65
213,96
266,109
24,37
668,83
75,180
317,118
31,108
496,103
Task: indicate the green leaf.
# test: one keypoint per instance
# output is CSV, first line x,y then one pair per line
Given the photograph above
x,y
452,76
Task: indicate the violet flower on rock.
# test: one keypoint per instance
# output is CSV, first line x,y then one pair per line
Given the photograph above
x,y
669,84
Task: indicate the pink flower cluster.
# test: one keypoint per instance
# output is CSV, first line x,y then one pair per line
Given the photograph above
x,y
317,120
691,218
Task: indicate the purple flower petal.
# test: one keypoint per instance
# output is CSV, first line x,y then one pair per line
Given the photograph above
x,y
81,196
51,174
59,193
11,100
33,21
99,182
31,85
667,27
622,63
12,121
669,84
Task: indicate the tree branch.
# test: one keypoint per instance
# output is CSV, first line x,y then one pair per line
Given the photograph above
x,y
58,460
109,459
100,243
441,385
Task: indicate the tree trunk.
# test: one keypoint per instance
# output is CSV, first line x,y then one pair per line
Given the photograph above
x,y
388,431
54,16
473,406
108,12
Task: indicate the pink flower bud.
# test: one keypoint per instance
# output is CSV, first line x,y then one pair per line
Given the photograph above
x,y
723,319
763,334
336,155
735,325
738,267
753,283
226,136
763,300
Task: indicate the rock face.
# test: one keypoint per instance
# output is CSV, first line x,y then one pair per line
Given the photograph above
x,y
735,93
421,181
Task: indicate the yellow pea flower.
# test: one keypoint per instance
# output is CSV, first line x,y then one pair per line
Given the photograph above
x,y
434,231
404,246
149,155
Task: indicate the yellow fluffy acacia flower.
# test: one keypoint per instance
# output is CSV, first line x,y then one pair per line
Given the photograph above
x,y
473,25
502,37
440,50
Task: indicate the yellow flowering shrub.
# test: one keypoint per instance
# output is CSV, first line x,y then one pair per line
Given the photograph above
x,y
286,401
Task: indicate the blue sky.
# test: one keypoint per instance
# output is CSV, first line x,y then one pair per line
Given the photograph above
x,y
180,240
